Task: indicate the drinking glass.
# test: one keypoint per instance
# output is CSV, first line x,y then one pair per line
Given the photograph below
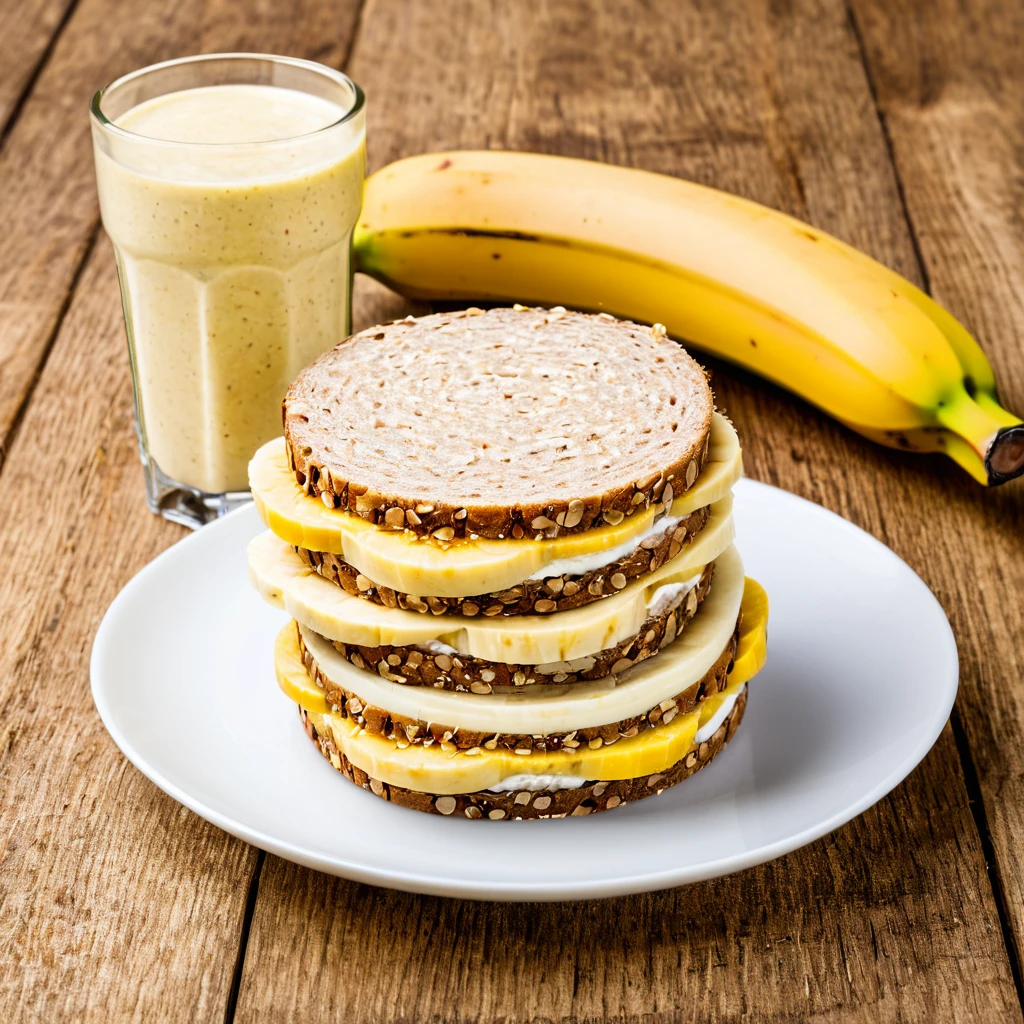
x,y
229,185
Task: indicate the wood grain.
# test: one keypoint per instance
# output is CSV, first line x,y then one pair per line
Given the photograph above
x,y
894,917
48,204
27,28
113,899
115,903
827,932
949,82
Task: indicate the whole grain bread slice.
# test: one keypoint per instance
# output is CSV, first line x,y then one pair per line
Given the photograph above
x,y
587,799
443,670
505,423
543,595
415,732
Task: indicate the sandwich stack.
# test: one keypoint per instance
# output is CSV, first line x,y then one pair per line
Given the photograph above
x,y
505,541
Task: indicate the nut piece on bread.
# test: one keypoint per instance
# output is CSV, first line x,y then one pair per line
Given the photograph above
x,y
506,423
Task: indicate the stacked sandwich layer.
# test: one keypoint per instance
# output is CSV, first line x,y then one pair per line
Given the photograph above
x,y
506,543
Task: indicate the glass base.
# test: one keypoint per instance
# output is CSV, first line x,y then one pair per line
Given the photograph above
x,y
183,504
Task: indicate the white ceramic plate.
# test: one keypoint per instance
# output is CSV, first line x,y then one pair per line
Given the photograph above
x,y
861,676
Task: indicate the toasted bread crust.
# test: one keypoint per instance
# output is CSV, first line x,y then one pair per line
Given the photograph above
x,y
510,423
531,597
587,799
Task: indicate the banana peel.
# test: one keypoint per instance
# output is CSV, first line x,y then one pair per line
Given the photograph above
x,y
746,283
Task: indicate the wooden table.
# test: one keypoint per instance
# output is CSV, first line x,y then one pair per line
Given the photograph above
x,y
899,130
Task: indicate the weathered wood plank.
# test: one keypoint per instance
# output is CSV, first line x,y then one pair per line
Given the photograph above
x,y
115,903
48,204
950,83
26,33
894,917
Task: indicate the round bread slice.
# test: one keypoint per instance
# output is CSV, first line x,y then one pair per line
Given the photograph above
x,y
413,732
586,799
506,423
446,669
543,594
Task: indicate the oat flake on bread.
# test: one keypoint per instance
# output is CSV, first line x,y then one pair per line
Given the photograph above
x,y
506,423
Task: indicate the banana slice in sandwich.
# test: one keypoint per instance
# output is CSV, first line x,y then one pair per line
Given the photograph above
x,y
286,582
543,709
434,770
412,565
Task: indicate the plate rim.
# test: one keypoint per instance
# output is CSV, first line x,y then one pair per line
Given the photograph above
x,y
409,880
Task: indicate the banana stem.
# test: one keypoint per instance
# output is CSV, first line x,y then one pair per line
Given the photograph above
x,y
989,440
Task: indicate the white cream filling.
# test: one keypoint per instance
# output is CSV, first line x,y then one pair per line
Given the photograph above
x,y
536,783
436,647
577,565
669,594
706,731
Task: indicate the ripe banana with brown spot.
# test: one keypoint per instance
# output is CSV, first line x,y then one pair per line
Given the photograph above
x,y
737,279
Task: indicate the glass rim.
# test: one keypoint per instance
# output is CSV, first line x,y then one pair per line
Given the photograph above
x,y
102,121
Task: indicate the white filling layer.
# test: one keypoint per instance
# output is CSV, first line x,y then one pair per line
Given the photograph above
x,y
536,783
706,731
665,596
577,565
436,647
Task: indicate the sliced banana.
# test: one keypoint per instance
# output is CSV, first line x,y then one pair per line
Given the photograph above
x,y
433,770
284,580
413,565
543,709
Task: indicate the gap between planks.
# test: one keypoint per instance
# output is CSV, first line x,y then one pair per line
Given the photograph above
x,y
883,123
33,76
5,130
243,938
977,805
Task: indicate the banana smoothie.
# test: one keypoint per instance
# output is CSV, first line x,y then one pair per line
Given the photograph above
x,y
231,209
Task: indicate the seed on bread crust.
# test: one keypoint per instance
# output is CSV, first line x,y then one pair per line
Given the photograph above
x,y
381,722
531,597
466,674
518,440
518,804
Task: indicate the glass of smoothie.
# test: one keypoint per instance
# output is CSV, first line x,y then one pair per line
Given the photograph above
x,y
230,185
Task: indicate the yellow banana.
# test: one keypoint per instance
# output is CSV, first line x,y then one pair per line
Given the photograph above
x,y
735,278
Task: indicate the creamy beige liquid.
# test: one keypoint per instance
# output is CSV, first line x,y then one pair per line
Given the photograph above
x,y
234,264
